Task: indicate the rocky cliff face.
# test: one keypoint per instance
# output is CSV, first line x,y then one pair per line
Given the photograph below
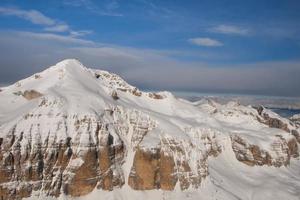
x,y
163,167
58,166
281,152
94,157
62,133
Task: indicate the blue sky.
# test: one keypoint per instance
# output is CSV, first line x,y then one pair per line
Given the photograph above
x,y
250,47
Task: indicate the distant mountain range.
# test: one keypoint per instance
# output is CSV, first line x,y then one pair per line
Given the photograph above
x,y
255,100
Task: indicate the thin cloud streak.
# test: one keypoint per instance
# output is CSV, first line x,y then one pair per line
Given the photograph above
x,y
36,17
208,42
58,28
109,9
55,38
33,16
230,30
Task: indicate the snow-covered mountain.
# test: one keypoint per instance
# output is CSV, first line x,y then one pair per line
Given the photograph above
x,y
71,132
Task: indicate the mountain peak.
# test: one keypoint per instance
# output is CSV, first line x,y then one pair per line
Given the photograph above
x,y
70,63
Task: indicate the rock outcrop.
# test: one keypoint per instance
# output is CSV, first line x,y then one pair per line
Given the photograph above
x,y
31,94
273,122
163,167
55,166
279,154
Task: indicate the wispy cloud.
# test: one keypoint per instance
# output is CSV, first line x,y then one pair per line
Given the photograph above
x,y
33,16
155,10
80,33
61,28
203,41
108,8
55,38
78,3
230,30
58,28
112,5
50,25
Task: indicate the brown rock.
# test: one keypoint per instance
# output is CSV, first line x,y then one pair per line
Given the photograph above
x,y
296,135
7,166
144,172
260,157
37,76
106,174
136,92
85,176
31,94
293,148
271,122
184,175
155,96
254,155
114,95
166,170
154,169
249,154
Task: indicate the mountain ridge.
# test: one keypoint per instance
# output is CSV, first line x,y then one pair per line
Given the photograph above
x,y
71,131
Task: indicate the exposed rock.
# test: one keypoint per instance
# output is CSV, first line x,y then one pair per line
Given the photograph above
x,y
37,76
19,192
81,178
275,123
31,94
144,174
155,96
105,171
163,167
260,109
56,166
168,178
152,170
270,121
97,75
293,148
110,159
296,134
114,95
136,92
250,154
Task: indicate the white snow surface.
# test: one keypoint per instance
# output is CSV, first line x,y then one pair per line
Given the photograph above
x,y
71,89
296,117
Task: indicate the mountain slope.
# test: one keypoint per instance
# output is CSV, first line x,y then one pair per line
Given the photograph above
x,y
74,132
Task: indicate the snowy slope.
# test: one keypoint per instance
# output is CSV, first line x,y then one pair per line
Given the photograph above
x,y
71,132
